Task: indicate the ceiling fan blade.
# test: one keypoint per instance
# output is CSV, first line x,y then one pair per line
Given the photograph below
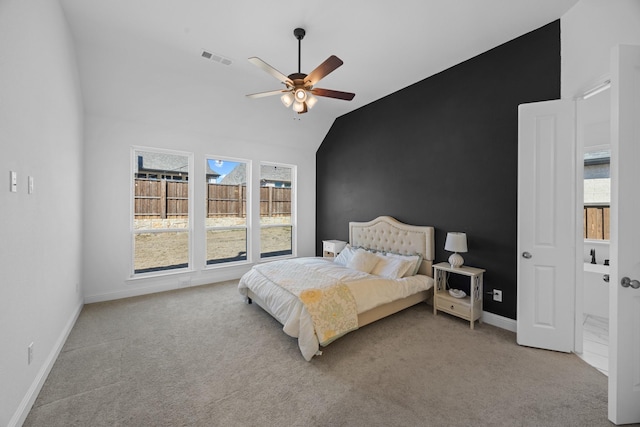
x,y
323,69
269,69
347,96
270,93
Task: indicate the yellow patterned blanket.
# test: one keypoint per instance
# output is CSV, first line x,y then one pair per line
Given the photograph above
x,y
328,301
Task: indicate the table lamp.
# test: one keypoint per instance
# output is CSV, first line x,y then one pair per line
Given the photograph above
x,y
456,242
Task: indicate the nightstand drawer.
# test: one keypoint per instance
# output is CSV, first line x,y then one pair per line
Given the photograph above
x,y
454,307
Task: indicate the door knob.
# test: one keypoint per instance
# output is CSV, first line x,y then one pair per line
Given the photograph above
x,y
526,255
606,278
626,282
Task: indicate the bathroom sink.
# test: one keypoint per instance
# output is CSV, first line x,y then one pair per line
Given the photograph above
x,y
596,268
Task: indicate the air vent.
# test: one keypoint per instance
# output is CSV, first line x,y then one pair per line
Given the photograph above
x,y
215,57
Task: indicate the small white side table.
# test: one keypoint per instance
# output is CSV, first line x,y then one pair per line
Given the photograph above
x,y
331,248
469,307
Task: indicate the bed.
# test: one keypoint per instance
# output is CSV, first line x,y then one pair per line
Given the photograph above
x,y
357,294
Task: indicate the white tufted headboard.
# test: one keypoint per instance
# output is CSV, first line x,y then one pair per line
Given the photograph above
x,y
390,235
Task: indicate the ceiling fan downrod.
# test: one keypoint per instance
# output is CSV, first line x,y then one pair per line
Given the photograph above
x,y
299,34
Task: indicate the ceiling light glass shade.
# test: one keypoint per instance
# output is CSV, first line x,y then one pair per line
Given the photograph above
x,y
311,100
301,95
298,106
287,99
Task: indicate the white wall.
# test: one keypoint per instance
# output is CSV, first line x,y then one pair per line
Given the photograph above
x,y
140,95
588,31
106,237
40,136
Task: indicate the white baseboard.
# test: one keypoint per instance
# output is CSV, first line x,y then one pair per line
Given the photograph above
x,y
133,292
499,321
152,289
32,393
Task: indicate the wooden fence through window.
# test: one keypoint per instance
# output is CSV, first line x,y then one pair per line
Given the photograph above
x,y
596,220
170,199
161,199
275,201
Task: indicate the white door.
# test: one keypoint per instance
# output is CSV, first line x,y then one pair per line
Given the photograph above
x,y
546,224
624,302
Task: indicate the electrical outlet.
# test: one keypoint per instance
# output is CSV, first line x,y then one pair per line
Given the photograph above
x,y
184,281
29,354
497,295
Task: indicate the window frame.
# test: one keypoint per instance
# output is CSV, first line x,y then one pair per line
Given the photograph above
x,y
587,150
190,204
294,208
247,226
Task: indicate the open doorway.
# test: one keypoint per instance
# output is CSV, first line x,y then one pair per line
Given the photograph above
x,y
592,292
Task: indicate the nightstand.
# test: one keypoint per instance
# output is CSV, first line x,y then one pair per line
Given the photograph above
x,y
469,307
331,248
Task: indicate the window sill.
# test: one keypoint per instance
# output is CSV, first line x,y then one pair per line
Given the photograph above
x,y
156,274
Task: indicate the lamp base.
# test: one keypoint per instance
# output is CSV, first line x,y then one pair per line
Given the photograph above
x,y
456,260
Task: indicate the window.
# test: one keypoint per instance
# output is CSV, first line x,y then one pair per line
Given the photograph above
x,y
226,210
161,203
277,203
597,194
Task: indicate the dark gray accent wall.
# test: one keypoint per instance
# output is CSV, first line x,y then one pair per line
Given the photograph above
x,y
443,152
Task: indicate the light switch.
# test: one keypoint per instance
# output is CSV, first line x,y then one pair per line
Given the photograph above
x,y
30,190
13,181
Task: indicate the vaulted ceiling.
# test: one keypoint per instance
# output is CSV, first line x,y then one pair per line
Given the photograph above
x,y
140,60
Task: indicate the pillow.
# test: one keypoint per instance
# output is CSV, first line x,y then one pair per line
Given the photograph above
x,y
416,261
363,261
345,255
392,267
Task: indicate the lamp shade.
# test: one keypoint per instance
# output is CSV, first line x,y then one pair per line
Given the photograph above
x,y
287,99
298,106
311,100
456,242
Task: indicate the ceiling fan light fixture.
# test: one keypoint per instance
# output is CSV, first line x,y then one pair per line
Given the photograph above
x,y
299,86
287,99
298,107
301,95
311,100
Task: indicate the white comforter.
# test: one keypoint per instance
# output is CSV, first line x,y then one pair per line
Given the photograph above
x,y
368,291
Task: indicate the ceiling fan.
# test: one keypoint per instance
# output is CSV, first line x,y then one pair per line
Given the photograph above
x,y
300,87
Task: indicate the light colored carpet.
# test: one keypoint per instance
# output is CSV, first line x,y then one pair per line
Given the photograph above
x,y
202,357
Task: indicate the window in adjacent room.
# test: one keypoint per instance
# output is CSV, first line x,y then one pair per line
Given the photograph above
x,y
226,210
277,210
161,204
597,194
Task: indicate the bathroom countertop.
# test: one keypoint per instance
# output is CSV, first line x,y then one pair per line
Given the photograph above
x,y
596,268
